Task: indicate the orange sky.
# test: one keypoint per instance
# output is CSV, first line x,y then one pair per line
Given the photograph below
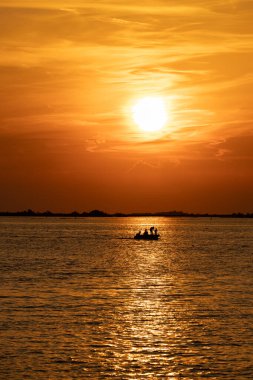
x,y
70,71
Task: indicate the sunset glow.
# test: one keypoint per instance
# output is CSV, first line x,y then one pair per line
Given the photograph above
x,y
77,130
150,114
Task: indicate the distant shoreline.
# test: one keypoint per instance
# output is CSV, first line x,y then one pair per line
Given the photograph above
x,y
98,213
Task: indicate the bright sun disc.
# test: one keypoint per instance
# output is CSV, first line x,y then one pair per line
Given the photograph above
x,y
150,114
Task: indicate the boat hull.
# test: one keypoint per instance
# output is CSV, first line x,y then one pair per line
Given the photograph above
x,y
146,237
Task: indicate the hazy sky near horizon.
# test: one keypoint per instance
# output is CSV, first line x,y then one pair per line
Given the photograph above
x,y
70,72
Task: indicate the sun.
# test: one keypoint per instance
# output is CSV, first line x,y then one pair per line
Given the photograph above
x,y
150,114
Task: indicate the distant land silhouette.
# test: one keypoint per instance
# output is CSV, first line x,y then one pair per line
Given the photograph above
x,y
99,213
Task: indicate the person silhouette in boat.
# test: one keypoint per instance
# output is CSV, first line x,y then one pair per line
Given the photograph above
x,y
145,232
152,230
155,231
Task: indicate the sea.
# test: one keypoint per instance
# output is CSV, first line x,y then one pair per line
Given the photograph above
x,y
81,299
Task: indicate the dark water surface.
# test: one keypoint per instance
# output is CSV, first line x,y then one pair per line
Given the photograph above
x,y
81,300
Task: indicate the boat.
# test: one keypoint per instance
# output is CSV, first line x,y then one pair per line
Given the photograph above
x,y
139,236
146,236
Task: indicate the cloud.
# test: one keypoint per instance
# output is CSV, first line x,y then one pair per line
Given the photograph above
x,y
72,65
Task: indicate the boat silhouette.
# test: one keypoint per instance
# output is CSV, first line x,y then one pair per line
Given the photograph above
x,y
146,235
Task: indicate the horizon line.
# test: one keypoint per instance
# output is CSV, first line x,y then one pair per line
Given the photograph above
x,y
99,213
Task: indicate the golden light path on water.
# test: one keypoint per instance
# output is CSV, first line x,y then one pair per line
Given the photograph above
x,y
90,302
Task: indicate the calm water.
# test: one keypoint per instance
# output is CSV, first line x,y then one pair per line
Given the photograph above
x,y
81,299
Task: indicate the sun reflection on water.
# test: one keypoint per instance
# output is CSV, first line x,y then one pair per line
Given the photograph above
x,y
145,324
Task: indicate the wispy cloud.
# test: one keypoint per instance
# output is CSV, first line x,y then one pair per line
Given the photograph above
x,y
68,64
